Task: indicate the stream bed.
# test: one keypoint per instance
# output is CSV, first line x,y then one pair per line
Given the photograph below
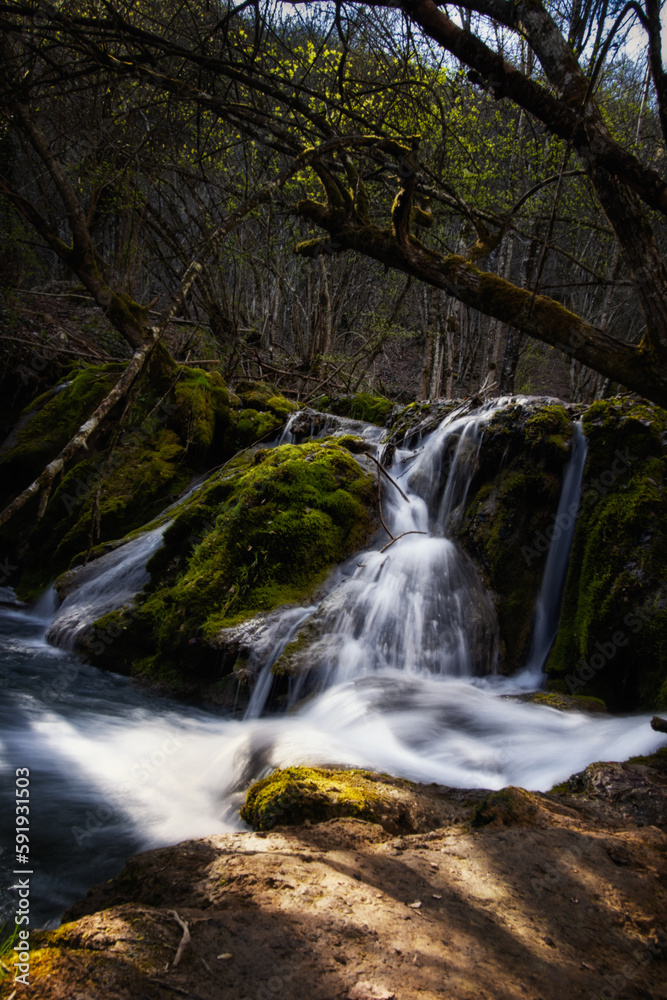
x,y
405,657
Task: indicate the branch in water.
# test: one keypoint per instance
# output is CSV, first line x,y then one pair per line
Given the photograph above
x,y
389,544
392,481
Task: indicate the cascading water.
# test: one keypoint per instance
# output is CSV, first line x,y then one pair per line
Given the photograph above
x,y
103,585
553,582
416,604
402,656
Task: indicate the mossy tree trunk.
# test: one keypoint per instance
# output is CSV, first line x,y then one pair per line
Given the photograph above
x,y
638,367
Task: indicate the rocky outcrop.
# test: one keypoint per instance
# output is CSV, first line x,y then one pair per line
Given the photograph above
x,y
513,894
176,425
510,507
612,640
263,532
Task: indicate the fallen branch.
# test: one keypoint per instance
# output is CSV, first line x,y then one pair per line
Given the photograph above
x,y
389,544
44,482
380,509
384,471
174,989
185,940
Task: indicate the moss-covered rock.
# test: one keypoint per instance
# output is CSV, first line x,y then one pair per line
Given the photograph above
x,y
417,419
511,504
202,401
49,421
508,807
564,702
612,641
295,795
263,532
358,406
176,422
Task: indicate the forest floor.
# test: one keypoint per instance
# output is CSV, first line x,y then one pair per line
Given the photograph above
x,y
557,895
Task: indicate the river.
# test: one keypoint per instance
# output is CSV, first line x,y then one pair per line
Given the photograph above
x,y
405,664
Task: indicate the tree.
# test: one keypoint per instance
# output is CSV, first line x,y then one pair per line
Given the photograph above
x,y
341,90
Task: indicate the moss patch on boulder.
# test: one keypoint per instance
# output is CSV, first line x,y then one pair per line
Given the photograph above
x,y
263,532
564,702
176,423
612,641
296,795
508,807
511,504
358,406
50,420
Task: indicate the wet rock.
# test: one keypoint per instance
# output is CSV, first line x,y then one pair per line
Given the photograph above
x,y
613,628
510,510
635,790
563,702
298,794
319,911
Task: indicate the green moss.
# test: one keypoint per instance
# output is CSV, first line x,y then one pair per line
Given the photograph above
x,y
566,703
296,794
509,807
203,408
612,641
253,425
264,396
657,759
551,426
174,421
359,406
503,520
104,498
262,533
51,420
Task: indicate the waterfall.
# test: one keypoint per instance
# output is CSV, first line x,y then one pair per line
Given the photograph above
x,y
401,651
416,603
102,585
547,611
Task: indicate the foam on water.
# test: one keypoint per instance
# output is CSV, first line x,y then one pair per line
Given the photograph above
x,y
404,657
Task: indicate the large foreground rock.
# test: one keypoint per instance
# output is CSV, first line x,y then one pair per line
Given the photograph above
x,y
514,895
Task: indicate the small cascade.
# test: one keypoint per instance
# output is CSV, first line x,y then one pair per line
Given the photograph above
x,y
399,659
103,585
309,423
547,610
275,636
416,603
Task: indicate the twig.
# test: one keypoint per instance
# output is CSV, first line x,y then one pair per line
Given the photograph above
x,y
185,940
174,989
380,509
389,544
392,481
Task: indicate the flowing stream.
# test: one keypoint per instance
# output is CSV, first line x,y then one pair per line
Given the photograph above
x,y
402,679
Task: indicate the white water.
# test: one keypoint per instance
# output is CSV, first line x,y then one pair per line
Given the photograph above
x,y
555,570
104,585
404,682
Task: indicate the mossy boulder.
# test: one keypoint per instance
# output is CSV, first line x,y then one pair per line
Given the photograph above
x,y
358,406
508,807
263,532
296,795
415,420
612,641
261,411
176,422
203,412
564,702
50,420
511,505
